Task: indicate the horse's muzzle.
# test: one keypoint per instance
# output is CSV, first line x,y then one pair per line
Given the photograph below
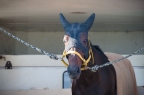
x,y
74,72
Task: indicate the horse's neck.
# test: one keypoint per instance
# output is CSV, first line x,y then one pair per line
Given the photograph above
x,y
99,58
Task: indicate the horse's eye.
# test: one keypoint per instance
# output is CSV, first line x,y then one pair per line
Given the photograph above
x,y
85,41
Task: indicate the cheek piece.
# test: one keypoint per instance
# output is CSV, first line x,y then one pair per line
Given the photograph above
x,y
85,60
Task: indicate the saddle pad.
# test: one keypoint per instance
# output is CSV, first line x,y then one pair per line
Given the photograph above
x,y
126,81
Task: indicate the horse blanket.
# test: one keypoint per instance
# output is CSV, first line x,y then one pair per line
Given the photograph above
x,y
126,81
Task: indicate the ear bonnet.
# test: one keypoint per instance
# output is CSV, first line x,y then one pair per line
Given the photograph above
x,y
74,30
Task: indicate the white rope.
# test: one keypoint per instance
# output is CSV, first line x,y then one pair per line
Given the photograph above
x,y
52,56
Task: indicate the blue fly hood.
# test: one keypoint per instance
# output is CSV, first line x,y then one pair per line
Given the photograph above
x,y
74,30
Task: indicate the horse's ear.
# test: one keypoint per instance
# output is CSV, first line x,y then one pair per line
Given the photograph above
x,y
64,22
89,22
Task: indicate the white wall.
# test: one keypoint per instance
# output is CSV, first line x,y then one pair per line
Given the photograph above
x,y
25,78
41,72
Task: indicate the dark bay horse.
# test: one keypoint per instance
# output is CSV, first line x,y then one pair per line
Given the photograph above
x,y
86,82
117,79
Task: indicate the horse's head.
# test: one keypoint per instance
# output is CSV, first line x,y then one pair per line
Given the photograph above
x,y
76,44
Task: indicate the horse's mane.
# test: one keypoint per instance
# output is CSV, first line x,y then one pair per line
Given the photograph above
x,y
99,50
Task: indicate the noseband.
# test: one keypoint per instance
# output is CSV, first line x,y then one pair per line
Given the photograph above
x,y
85,61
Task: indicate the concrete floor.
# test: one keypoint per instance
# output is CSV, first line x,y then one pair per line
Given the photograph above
x,y
49,92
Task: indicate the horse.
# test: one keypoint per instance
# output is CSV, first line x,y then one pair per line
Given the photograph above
x,y
81,53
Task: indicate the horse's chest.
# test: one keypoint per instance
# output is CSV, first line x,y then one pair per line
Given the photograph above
x,y
87,90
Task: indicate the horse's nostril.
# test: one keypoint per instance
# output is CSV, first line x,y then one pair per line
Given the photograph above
x,y
75,71
78,70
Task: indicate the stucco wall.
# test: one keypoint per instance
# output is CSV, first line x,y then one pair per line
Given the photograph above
x,y
118,42
7,45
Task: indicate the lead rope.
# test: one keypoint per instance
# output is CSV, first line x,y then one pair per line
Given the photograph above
x,y
52,56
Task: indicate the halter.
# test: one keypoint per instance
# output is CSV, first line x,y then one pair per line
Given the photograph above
x,y
85,61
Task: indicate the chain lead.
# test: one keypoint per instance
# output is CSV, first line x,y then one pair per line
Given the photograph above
x,y
96,67
52,56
